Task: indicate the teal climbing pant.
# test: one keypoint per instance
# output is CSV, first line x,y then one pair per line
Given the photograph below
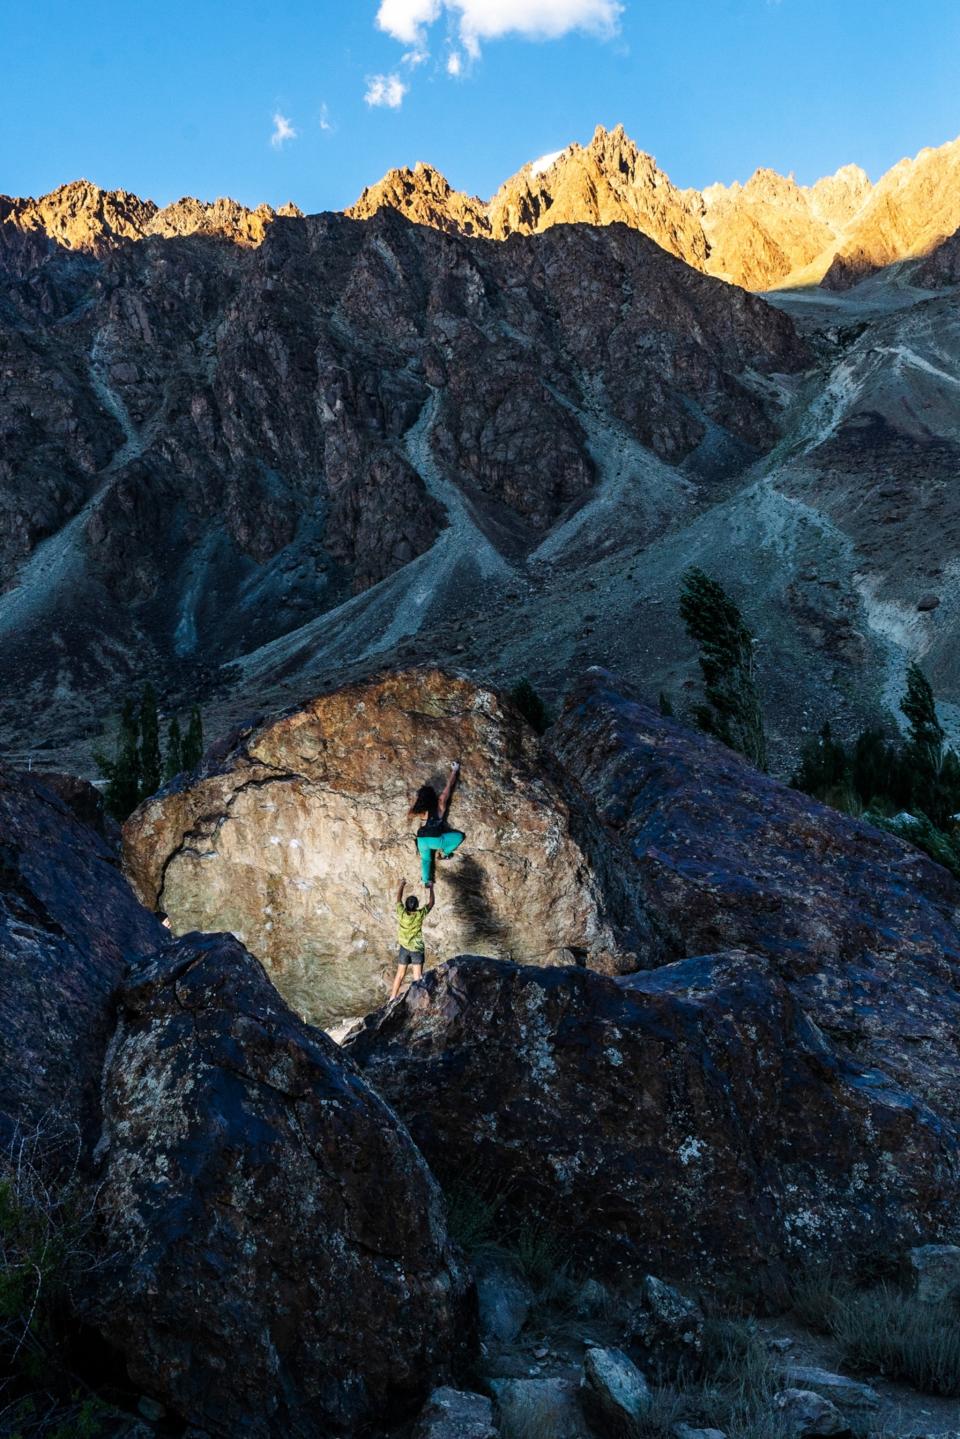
x,y
427,844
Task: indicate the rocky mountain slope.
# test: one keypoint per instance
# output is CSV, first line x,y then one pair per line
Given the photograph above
x,y
249,459
205,445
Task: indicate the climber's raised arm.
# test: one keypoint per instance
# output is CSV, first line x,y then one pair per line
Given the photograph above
x,y
448,789
400,888
430,898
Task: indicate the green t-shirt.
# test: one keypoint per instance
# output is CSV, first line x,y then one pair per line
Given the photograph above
x,y
410,927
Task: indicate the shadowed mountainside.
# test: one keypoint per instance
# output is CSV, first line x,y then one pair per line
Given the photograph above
x,y
249,456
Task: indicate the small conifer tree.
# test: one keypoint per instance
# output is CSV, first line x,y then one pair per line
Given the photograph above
x,y
732,710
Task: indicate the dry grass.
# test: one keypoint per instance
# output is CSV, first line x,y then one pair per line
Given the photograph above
x,y
46,1222
884,1331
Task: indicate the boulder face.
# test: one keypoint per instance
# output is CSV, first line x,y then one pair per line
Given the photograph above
x,y
297,838
862,926
278,1256
68,926
692,1120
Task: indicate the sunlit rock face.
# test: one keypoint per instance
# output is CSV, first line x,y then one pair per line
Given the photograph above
x,y
296,838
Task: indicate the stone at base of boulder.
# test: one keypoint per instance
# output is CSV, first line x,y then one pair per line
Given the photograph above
x,y
805,1413
456,1414
551,1403
669,1327
936,1272
844,1392
614,1393
503,1301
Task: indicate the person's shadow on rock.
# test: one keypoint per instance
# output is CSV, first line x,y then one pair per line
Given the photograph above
x,y
470,902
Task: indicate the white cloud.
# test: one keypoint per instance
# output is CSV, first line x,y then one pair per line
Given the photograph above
x,y
479,20
454,63
326,124
282,131
386,90
406,20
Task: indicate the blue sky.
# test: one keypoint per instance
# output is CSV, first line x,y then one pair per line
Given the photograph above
x,y
183,98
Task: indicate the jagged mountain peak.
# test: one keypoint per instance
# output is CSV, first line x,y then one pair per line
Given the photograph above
x,y
426,197
81,215
765,233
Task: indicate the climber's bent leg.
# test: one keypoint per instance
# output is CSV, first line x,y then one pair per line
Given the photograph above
x,y
450,841
426,844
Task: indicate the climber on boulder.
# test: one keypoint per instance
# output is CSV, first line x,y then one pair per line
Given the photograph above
x,y
435,837
410,948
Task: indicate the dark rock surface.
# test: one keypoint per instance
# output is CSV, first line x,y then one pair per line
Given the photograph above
x,y
84,801
862,927
941,267
280,1264
69,924
693,1120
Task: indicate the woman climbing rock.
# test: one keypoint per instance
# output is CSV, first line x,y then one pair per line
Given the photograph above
x,y
435,837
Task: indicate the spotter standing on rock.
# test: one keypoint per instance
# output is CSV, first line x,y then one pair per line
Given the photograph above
x,y
434,835
410,949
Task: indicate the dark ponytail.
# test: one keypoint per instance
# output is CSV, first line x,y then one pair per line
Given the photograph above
x,y
426,802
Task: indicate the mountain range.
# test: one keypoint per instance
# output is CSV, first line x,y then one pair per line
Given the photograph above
x,y
767,233
249,451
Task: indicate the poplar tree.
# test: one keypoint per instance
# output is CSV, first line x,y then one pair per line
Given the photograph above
x,y
151,768
173,759
122,770
193,740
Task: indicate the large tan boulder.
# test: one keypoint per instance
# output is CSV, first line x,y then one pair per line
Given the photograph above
x,y
298,837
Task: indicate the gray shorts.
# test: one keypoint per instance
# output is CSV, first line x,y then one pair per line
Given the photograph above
x,y
409,956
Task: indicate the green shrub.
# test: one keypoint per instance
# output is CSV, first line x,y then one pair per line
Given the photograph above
x,y
882,779
538,1254
918,830
472,1218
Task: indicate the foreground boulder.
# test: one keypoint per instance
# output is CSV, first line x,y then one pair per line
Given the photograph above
x,y
279,1262
862,926
68,925
296,838
689,1121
